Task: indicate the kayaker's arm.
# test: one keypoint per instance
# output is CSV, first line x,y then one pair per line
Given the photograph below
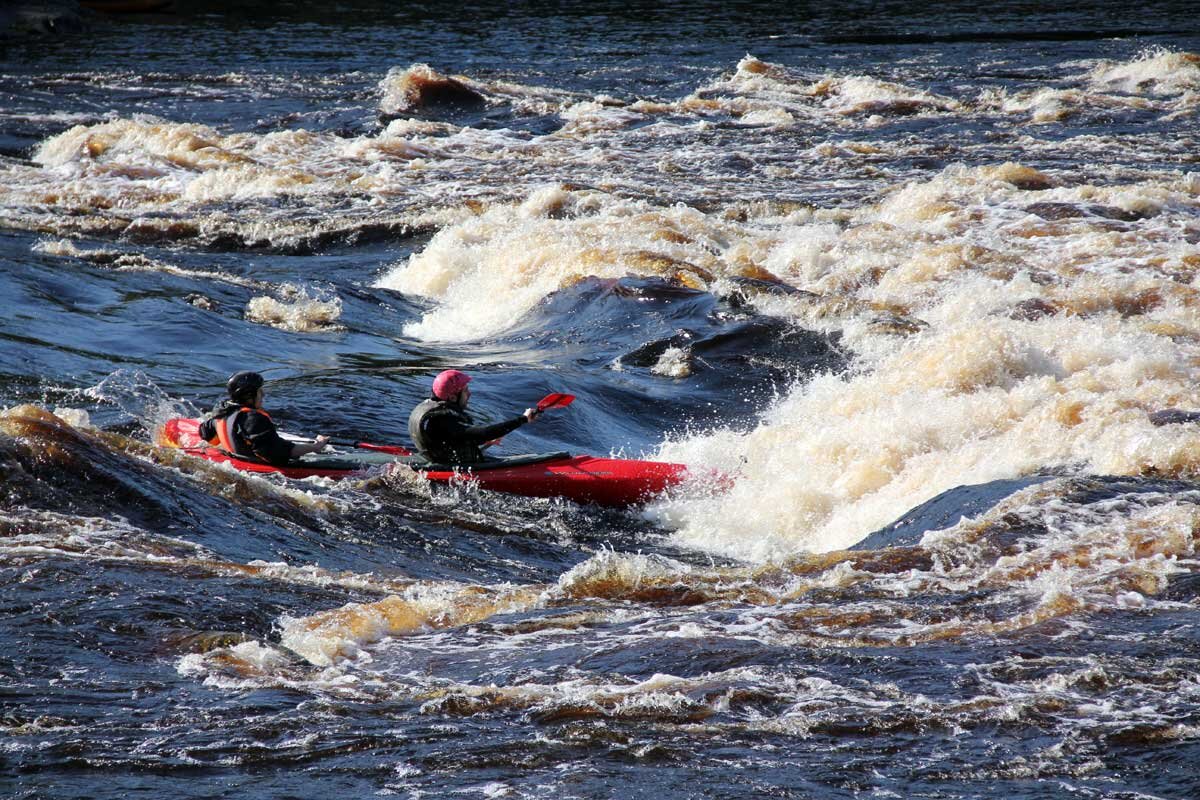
x,y
304,448
485,433
269,446
449,429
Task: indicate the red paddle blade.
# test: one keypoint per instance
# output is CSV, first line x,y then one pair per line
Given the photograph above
x,y
556,400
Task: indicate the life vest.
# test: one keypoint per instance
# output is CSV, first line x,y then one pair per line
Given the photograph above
x,y
226,438
441,452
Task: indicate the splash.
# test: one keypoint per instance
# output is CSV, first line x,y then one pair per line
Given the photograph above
x,y
296,310
140,398
673,363
420,86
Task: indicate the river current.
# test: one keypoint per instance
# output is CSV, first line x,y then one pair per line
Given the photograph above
x,y
914,276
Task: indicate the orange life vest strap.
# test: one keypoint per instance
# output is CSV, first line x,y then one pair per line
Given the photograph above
x,y
224,428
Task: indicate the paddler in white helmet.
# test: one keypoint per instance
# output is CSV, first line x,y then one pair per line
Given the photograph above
x,y
445,433
240,427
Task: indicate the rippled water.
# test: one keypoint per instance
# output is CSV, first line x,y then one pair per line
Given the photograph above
x,y
913,278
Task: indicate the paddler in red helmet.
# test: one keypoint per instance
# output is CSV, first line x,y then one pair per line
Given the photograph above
x,y
445,433
241,427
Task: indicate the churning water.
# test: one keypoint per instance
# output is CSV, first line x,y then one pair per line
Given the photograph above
x,y
913,275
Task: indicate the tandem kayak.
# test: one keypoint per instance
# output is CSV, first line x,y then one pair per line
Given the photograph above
x,y
584,479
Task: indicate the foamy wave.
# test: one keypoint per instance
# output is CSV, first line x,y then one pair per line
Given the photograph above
x,y
50,534
612,575
138,262
60,247
331,636
660,696
154,179
1157,72
991,388
410,89
148,160
1047,105
255,665
487,272
589,117
34,535
247,658
119,142
760,92
1115,555
1159,80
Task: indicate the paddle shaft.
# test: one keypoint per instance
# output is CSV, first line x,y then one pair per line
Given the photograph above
x,y
393,449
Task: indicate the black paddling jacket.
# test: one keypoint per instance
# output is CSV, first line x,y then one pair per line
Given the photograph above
x,y
250,431
446,434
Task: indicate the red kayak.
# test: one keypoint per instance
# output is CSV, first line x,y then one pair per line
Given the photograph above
x,y
583,479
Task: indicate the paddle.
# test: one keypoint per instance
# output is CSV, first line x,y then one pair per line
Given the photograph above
x,y
391,449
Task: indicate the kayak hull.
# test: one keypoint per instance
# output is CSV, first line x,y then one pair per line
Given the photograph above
x,y
583,479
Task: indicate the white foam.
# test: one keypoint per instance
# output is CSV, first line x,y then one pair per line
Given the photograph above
x,y
760,91
487,272
1156,72
299,309
978,395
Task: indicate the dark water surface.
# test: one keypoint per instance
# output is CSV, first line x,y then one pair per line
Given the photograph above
x,y
912,275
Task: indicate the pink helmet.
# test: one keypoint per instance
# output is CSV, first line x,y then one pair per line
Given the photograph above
x,y
448,384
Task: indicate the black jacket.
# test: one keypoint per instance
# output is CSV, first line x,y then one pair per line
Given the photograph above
x,y
253,433
446,434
